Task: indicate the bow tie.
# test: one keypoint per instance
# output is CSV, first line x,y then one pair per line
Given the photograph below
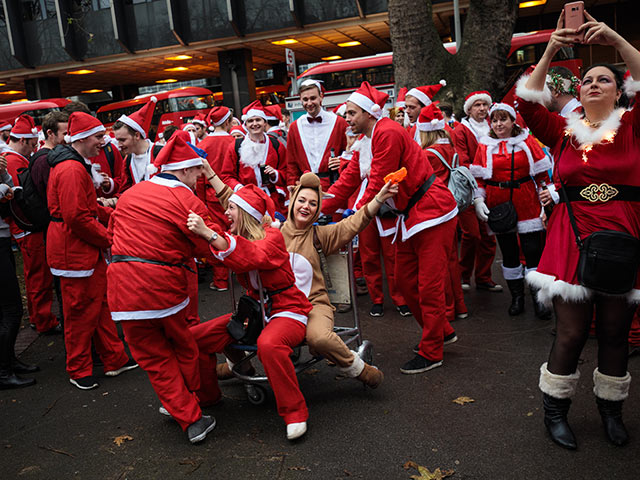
x,y
317,119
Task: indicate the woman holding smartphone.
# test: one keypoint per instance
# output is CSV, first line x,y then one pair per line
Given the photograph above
x,y
593,150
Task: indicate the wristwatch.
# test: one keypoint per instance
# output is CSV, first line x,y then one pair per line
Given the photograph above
x,y
214,237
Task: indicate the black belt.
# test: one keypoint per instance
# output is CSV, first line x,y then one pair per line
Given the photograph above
x,y
509,184
129,258
323,174
600,193
56,219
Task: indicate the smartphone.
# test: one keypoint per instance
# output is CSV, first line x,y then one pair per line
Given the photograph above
x,y
574,17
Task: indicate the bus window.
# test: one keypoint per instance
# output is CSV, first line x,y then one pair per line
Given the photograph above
x,y
523,56
38,115
182,104
379,75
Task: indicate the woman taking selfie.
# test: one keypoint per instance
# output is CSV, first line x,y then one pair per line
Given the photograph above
x,y
508,165
597,168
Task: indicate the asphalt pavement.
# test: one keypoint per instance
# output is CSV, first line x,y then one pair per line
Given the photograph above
x,y
55,431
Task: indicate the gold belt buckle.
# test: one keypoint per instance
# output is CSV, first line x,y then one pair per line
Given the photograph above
x,y
599,193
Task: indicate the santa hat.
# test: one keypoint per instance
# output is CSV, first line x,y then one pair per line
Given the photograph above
x,y
81,125
313,83
402,93
431,118
239,129
425,93
473,97
218,115
177,154
254,109
5,126
188,126
340,109
200,120
505,107
254,201
140,120
273,112
369,99
24,127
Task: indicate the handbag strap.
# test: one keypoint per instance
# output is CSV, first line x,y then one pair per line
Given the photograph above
x,y
513,154
324,266
563,192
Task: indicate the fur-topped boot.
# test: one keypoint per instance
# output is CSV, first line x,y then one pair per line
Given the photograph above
x,y
557,391
610,395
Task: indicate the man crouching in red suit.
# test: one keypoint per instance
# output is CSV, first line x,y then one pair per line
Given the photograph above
x,y
76,241
151,252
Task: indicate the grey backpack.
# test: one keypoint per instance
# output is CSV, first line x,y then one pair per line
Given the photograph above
x,y
461,182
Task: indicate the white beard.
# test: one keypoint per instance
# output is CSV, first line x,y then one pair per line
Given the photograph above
x,y
252,154
363,147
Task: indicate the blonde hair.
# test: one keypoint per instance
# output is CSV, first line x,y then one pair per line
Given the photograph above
x,y
429,138
250,228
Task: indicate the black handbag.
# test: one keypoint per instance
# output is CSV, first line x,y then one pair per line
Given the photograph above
x,y
503,217
246,323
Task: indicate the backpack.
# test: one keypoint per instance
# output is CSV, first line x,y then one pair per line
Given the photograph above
x,y
462,184
28,209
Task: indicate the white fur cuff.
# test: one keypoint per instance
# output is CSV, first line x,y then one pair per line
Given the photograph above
x,y
549,288
512,273
543,97
355,369
558,386
631,87
611,388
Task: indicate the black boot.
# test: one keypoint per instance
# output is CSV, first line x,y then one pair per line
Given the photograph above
x,y
611,414
555,419
8,380
20,367
540,310
516,287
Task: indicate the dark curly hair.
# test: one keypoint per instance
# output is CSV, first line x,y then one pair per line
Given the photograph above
x,y
618,76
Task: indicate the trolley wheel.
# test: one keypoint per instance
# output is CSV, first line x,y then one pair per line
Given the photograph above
x,y
295,355
255,394
366,352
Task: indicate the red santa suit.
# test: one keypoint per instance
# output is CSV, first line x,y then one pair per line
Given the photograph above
x,y
76,240
285,327
309,145
477,247
135,167
244,169
425,233
155,320
37,276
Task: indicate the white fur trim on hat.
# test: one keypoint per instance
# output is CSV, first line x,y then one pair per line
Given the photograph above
x,y
254,112
193,162
421,96
631,87
355,369
365,103
504,107
85,134
199,122
244,205
133,124
543,97
8,126
222,120
151,169
473,99
558,386
32,134
431,126
314,82
611,388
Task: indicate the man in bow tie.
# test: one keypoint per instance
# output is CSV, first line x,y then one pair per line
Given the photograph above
x,y
312,137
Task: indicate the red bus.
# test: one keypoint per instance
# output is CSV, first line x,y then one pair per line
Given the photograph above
x,y
36,109
341,77
174,107
268,95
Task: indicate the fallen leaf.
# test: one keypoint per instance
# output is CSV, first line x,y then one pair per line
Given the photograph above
x,y
529,414
425,474
121,439
300,468
311,371
32,468
49,344
463,400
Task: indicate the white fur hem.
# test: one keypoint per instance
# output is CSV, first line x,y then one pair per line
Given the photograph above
x,y
512,273
558,386
543,97
531,225
631,87
355,369
585,135
611,388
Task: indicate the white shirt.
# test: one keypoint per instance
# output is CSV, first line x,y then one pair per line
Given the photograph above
x,y
315,136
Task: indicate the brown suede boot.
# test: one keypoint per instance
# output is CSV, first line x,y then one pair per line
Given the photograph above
x,y
371,376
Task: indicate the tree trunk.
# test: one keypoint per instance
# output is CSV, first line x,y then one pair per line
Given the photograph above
x,y
420,59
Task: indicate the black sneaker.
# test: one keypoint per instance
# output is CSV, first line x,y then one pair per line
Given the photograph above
x,y
451,338
84,383
130,365
419,364
416,349
404,311
377,310
490,287
57,330
197,431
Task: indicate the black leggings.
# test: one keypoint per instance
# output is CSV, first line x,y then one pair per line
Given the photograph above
x,y
10,304
531,244
613,320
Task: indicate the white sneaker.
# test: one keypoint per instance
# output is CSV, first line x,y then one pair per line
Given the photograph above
x,y
466,286
164,411
296,430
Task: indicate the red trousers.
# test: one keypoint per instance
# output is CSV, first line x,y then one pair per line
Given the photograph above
x,y
167,351
634,333
220,274
192,309
38,281
477,247
372,245
357,263
275,345
421,273
453,288
87,317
